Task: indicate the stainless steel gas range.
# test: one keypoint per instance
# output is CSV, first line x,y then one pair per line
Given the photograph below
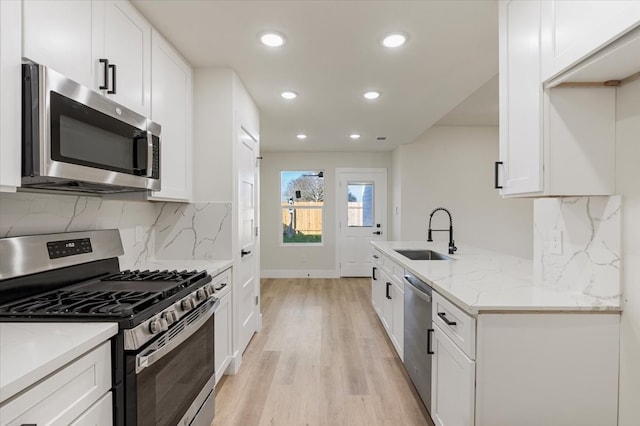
x,y
163,354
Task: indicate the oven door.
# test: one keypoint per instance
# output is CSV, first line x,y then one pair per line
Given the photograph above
x,y
174,376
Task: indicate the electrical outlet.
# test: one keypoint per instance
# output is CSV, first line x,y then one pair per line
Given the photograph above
x,y
555,241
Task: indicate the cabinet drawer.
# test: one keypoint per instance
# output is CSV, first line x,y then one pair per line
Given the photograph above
x,y
222,278
376,257
100,413
65,395
394,270
459,326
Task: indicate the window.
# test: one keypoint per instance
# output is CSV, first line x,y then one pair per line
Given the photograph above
x,y
360,205
302,203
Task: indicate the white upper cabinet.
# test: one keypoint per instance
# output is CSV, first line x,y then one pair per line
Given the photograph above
x,y
10,73
72,37
58,34
520,97
574,29
171,107
124,38
556,141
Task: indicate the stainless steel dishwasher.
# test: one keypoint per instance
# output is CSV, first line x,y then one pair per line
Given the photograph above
x,y
418,331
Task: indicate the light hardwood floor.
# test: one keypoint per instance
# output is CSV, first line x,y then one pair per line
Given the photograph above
x,y
321,358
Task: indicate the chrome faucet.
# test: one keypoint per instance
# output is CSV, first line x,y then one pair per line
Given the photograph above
x,y
452,246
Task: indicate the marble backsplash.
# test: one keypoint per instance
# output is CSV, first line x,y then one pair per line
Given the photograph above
x,y
149,230
591,245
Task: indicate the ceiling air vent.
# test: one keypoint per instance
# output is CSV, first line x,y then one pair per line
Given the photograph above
x,y
381,138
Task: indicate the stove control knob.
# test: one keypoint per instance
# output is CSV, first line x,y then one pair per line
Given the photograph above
x,y
158,325
201,294
187,304
209,290
170,316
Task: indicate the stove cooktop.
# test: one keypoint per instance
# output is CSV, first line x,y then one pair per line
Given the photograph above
x,y
130,296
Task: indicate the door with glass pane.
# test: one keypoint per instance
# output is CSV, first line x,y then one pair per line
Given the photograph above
x,y
362,207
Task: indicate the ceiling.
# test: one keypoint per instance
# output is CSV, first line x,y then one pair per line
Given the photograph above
x,y
333,55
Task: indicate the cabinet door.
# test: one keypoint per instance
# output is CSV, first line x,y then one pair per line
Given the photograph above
x,y
10,72
397,323
222,337
375,292
387,307
452,383
171,107
125,38
520,97
58,34
573,30
380,285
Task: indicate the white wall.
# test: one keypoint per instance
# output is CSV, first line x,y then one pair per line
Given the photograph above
x,y
452,167
297,261
628,185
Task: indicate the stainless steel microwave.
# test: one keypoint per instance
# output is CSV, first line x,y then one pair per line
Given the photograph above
x,y
76,140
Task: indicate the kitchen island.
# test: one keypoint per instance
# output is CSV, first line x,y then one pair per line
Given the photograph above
x,y
504,350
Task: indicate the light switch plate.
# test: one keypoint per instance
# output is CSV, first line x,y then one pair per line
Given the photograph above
x,y
555,241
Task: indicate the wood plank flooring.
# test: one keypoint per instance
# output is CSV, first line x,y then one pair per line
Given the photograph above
x,y
321,358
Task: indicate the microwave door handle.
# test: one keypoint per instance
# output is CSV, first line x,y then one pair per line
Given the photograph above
x,y
139,169
149,154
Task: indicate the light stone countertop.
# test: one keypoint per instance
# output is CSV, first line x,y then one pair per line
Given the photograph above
x,y
479,280
31,351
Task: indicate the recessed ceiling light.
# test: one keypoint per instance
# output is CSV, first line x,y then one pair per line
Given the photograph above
x,y
354,136
289,95
394,40
301,136
272,39
371,95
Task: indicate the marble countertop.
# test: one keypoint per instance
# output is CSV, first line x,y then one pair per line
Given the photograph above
x,y
213,267
31,351
480,280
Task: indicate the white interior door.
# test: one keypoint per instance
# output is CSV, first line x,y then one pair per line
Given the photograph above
x,y
248,277
361,217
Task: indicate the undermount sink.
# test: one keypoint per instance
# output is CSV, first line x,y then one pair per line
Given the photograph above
x,y
423,255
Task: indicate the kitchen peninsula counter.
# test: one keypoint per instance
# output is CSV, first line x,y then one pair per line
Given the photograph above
x,y
479,280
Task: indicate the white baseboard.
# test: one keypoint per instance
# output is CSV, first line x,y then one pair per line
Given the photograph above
x,y
299,273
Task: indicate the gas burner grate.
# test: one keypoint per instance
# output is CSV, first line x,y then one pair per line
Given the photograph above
x,y
84,303
157,275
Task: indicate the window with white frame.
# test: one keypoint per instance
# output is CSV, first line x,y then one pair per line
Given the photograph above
x,y
302,204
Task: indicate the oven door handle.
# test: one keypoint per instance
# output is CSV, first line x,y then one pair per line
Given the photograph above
x,y
143,360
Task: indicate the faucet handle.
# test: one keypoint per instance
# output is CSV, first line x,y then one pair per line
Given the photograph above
x,y
452,247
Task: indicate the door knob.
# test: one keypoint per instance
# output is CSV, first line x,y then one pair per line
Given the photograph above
x,y
377,233
244,252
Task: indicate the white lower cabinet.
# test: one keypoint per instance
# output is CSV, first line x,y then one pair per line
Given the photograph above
x,y
397,321
100,413
387,296
222,340
386,309
65,397
452,383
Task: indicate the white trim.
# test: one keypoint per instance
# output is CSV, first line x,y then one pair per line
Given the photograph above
x,y
299,273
